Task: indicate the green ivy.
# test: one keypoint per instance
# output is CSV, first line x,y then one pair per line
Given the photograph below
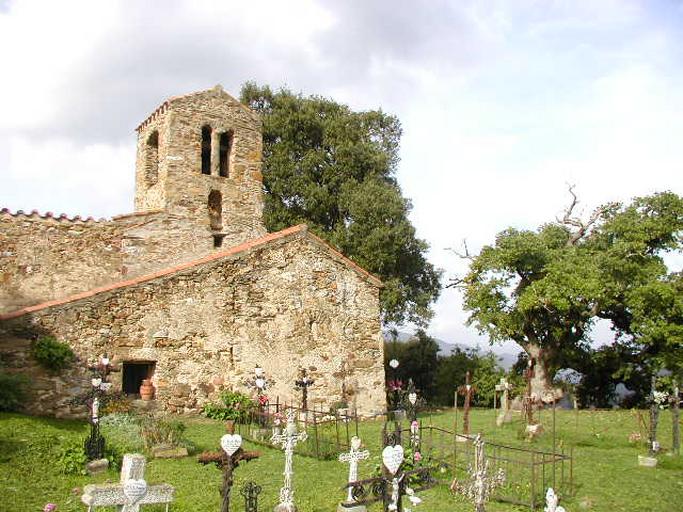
x,y
51,354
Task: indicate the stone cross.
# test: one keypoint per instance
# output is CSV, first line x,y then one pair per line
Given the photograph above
x,y
467,391
481,483
288,440
504,387
132,492
354,455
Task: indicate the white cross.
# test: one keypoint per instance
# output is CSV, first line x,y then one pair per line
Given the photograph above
x,y
288,439
132,492
352,457
505,387
482,482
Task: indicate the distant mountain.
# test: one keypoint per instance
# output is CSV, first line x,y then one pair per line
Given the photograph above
x,y
505,359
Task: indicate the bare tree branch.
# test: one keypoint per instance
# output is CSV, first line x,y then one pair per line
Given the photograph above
x,y
582,227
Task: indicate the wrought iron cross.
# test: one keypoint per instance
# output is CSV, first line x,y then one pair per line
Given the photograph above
x,y
467,391
250,491
482,482
353,456
288,440
303,383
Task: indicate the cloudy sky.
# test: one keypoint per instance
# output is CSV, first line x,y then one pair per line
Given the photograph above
x,y
502,103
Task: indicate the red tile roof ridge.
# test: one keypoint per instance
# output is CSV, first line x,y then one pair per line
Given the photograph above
x,y
35,214
256,242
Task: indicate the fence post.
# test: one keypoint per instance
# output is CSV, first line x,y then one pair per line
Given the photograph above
x,y
315,433
533,481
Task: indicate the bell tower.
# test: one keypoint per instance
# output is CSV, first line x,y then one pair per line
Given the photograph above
x,y
199,160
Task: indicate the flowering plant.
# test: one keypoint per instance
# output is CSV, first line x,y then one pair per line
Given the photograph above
x,y
263,399
49,507
661,398
395,385
278,418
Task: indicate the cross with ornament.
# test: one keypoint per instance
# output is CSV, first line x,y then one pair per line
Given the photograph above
x,y
302,384
288,439
411,401
552,502
503,387
467,391
132,492
481,483
228,459
352,457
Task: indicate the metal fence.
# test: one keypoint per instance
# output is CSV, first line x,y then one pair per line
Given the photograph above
x,y
528,472
329,432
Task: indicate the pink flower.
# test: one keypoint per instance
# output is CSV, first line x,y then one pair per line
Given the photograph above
x,y
414,424
417,456
262,399
49,507
395,385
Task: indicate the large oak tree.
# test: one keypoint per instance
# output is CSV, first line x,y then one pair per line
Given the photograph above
x,y
545,288
334,169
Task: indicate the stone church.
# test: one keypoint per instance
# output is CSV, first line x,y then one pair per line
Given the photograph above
x,y
189,290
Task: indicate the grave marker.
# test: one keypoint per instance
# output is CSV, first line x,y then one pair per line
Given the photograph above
x,y
288,440
132,492
353,456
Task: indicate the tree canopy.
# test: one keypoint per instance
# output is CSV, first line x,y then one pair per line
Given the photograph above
x,y
334,169
544,289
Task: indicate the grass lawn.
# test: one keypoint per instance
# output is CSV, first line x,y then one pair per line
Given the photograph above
x,y
606,474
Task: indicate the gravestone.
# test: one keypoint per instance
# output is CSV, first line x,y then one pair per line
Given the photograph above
x,y
227,460
288,440
551,502
505,414
353,456
482,481
132,492
467,390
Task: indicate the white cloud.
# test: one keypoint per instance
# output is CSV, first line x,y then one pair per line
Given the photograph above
x,y
502,104
59,176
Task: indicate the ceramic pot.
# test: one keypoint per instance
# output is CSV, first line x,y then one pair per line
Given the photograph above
x,y
146,390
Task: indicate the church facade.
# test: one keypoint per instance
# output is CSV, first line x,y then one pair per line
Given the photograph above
x,y
189,290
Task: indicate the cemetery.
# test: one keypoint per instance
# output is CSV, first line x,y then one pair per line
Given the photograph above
x,y
232,344
428,463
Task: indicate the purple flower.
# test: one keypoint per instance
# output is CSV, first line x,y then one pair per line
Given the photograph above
x,y
50,507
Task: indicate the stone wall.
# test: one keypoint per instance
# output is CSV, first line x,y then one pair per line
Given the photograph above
x,y
43,258
282,303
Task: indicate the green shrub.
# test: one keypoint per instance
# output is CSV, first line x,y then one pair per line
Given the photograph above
x,y
122,432
235,406
71,458
51,354
12,391
156,431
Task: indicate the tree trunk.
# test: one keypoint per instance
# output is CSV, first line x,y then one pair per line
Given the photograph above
x,y
541,384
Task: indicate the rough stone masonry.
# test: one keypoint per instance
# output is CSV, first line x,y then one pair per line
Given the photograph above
x,y
189,290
